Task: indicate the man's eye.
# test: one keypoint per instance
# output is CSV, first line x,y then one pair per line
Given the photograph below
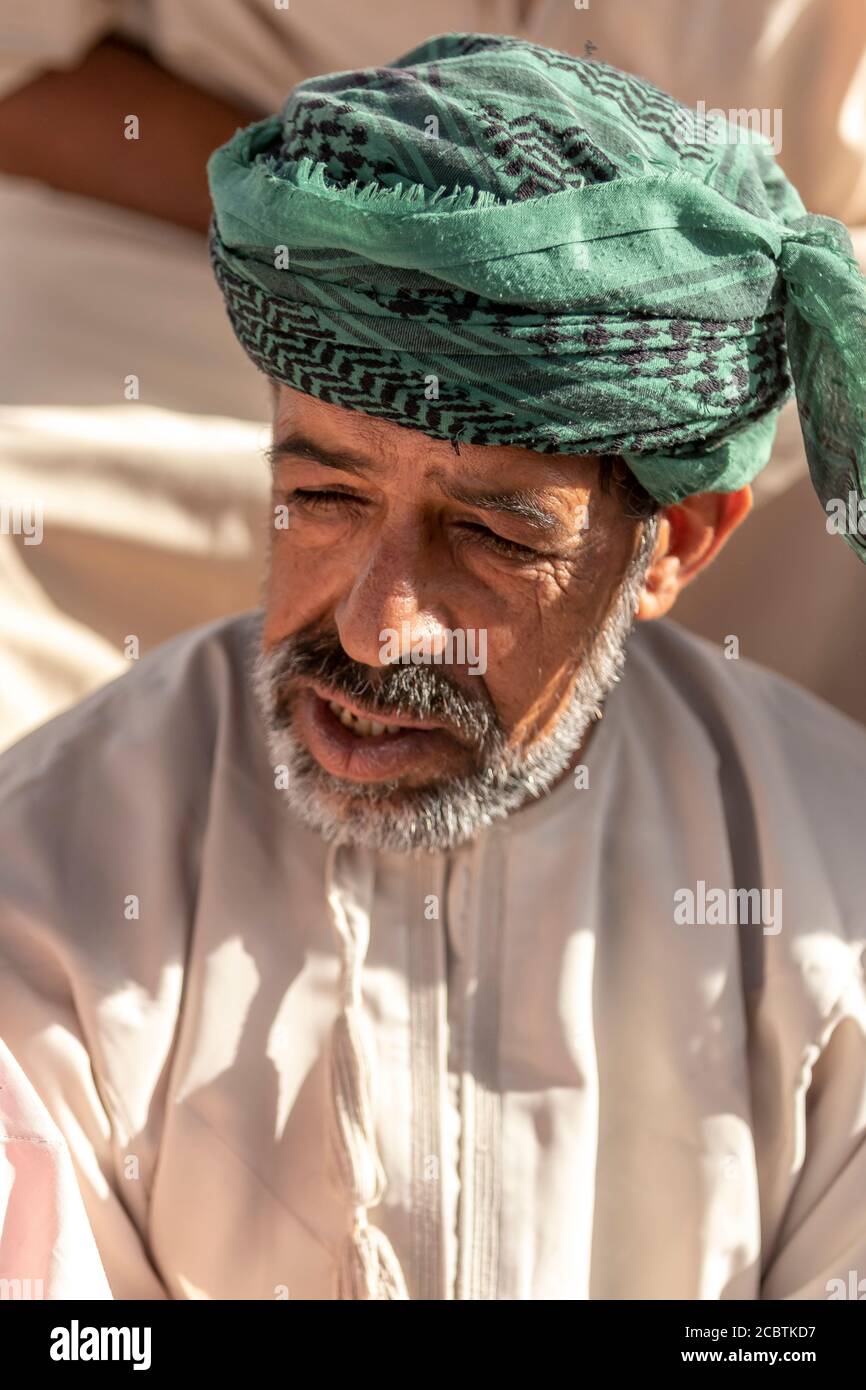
x,y
512,549
320,499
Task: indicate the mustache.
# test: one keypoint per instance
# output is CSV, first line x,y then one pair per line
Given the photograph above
x,y
409,692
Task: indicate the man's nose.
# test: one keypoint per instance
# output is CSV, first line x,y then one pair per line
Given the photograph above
x,y
391,606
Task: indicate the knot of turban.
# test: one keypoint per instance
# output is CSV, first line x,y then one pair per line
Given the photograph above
x,y
495,243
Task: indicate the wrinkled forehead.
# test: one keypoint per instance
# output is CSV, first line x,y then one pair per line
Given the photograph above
x,y
309,430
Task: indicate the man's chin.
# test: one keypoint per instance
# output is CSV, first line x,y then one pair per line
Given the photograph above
x,y
387,815
342,793
433,815
424,808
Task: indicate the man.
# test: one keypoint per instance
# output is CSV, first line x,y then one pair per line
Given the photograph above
x,y
352,957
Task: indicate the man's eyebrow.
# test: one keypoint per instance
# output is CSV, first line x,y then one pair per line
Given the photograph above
x,y
299,446
519,503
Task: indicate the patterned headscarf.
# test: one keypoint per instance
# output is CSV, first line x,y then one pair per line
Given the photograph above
x,y
495,243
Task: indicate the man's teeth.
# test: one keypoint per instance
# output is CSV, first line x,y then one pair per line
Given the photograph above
x,y
364,728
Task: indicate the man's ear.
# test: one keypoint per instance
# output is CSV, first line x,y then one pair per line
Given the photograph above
x,y
691,534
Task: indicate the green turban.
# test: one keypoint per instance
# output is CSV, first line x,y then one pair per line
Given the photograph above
x,y
495,243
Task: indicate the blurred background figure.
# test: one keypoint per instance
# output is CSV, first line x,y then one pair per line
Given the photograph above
x,y
131,424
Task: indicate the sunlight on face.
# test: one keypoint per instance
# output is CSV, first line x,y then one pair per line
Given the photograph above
x,y
394,560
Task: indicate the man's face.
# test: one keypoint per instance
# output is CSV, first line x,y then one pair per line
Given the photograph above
x,y
464,599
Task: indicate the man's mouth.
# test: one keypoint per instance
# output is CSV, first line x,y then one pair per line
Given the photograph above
x,y
361,726
365,725
352,744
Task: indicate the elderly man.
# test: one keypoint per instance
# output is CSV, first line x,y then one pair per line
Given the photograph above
x,y
352,955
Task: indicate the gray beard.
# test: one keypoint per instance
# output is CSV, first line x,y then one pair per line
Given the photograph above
x,y
451,812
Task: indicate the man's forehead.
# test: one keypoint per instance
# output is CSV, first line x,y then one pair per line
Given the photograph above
x,y
321,432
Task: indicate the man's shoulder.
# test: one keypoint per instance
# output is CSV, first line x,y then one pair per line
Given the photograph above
x,y
174,696
742,705
716,680
748,755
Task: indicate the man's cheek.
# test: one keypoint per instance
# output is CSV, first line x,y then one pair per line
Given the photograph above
x,y
296,593
513,663
532,661
528,637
